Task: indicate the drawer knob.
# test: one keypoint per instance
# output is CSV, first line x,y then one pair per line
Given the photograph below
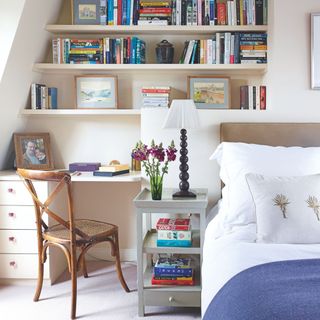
x,y
171,299
10,190
11,214
12,264
12,239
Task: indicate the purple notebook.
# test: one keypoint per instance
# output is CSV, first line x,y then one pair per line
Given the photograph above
x,y
84,166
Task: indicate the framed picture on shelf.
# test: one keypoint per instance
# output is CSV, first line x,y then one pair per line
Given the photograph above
x,y
96,92
315,51
33,151
85,11
209,92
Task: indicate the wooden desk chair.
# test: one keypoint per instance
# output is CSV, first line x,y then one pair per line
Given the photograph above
x,y
68,235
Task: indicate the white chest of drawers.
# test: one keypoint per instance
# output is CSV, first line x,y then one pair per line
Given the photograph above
x,y
18,237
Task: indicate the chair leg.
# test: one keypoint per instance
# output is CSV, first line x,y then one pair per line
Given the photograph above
x,y
84,267
74,283
118,263
40,279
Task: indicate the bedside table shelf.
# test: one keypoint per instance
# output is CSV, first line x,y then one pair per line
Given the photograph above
x,y
168,295
150,244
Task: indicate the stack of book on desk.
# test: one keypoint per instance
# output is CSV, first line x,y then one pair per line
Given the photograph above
x,y
173,271
112,170
174,232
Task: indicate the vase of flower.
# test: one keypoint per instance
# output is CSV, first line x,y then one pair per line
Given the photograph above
x,y
155,160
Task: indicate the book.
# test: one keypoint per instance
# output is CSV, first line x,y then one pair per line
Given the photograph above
x,y
114,167
175,282
52,98
173,266
173,242
263,97
109,174
173,224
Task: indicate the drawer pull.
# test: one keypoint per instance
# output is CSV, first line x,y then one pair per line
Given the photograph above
x,y
12,239
12,264
10,190
11,214
171,299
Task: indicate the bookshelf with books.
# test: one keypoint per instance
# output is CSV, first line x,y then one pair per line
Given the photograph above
x,y
176,31
154,286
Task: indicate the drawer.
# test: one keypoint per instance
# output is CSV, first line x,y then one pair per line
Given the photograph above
x,y
17,217
18,241
172,298
21,266
16,193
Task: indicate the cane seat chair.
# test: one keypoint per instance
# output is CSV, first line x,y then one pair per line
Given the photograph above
x,y
70,234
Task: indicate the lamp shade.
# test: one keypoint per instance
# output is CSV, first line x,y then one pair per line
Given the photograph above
x,y
182,114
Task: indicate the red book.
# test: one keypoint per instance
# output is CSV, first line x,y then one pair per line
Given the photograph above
x,y
172,282
173,224
221,13
263,97
119,16
155,91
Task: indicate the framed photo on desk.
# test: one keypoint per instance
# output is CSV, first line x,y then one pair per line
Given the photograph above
x,y
96,92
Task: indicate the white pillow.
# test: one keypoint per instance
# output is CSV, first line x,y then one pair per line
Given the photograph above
x,y
237,159
287,208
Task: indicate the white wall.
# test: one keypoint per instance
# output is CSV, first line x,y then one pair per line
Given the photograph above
x,y
106,138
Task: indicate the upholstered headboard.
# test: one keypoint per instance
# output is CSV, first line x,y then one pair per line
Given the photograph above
x,y
273,134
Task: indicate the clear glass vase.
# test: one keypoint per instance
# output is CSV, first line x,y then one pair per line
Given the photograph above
x,y
156,187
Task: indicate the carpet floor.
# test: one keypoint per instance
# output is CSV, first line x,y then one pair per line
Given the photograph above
x,y
99,297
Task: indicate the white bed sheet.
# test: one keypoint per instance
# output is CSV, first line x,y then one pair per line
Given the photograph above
x,y
225,254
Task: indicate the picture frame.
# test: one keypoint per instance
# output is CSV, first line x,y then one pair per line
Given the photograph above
x,y
315,51
96,92
33,151
85,11
209,92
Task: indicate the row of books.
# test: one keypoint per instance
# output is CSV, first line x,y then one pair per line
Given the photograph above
x,y
226,48
253,97
112,170
156,96
129,50
174,232
173,271
183,12
43,97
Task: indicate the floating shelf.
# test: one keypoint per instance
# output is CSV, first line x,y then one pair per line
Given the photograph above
x,y
185,30
81,112
228,68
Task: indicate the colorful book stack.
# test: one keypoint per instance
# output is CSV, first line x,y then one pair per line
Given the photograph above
x,y
156,12
253,97
112,170
117,51
156,96
174,232
226,48
253,48
43,97
173,271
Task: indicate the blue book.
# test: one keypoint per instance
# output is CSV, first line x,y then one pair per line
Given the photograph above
x,y
53,98
237,47
133,50
194,51
128,13
212,11
109,174
173,266
174,243
124,11
110,12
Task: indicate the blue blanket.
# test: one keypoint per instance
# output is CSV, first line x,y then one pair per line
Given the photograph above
x,y
284,290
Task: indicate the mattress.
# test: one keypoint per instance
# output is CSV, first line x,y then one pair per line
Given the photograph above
x,y
225,254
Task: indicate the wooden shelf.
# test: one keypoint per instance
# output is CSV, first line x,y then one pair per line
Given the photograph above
x,y
227,68
173,30
81,112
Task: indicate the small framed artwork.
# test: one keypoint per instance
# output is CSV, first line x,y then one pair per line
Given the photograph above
x,y
96,92
315,51
85,11
209,92
33,151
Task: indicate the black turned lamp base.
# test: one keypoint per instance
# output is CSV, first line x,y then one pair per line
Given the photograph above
x,y
184,194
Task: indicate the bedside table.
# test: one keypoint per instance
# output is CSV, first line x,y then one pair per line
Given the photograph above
x,y
167,295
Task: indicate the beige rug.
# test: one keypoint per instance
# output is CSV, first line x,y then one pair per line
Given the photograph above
x,y
99,297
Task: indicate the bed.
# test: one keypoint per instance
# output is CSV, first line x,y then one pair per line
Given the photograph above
x,y
248,280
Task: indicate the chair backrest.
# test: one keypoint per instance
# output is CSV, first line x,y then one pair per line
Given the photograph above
x,y
63,182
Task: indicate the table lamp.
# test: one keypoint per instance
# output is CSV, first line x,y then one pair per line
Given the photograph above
x,y
183,115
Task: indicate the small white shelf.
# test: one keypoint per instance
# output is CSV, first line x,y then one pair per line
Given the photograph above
x,y
75,68
154,30
81,112
133,176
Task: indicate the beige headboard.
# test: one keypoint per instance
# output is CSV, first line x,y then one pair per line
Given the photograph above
x,y
273,134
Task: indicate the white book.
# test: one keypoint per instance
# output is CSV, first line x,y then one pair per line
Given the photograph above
x,y
115,12
152,22
257,97
214,50
209,51
227,47
44,97
250,97
218,48
233,13
178,12
33,96
189,52
229,13
131,12
232,48
199,8
56,50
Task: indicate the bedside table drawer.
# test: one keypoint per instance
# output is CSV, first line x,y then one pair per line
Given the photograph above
x,y
18,241
172,298
23,266
17,217
15,193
